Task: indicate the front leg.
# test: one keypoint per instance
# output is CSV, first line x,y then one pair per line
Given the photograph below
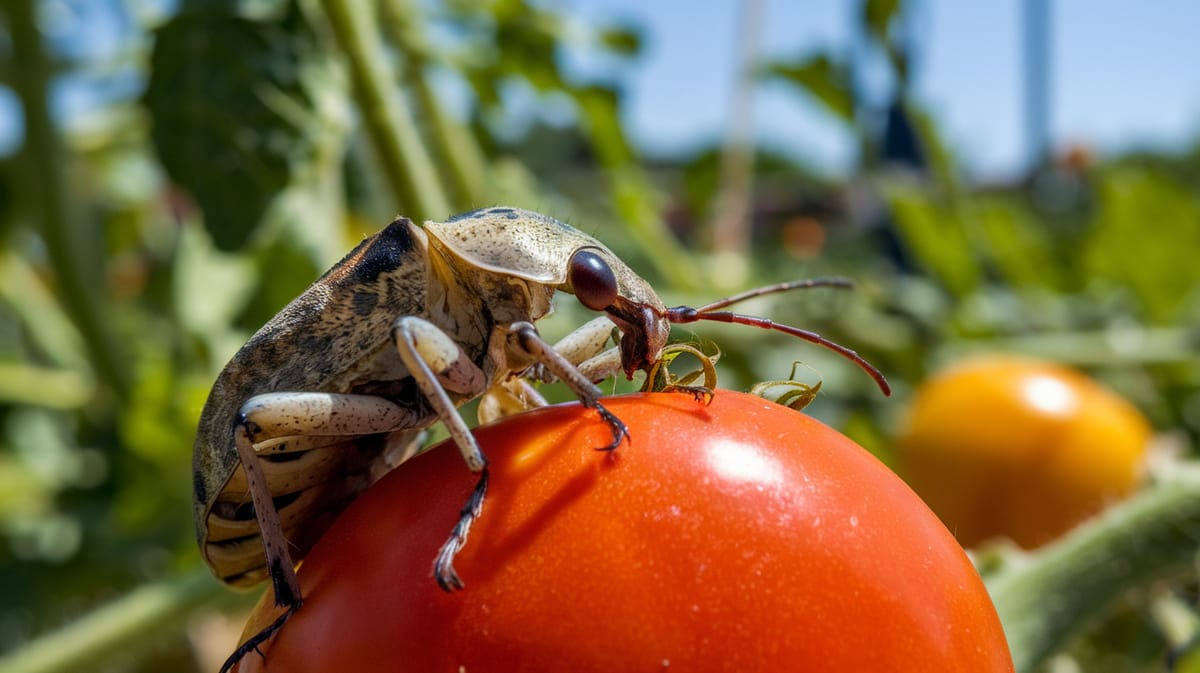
x,y
584,348
524,339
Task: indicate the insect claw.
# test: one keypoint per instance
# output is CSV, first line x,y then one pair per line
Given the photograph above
x,y
251,645
447,578
619,431
443,564
702,394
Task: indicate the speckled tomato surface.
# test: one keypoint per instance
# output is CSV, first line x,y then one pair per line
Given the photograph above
x,y
739,536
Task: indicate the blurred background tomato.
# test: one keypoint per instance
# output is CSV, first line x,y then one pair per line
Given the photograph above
x,y
1016,447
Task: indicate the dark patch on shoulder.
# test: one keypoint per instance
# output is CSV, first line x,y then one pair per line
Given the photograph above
x,y
364,303
378,254
384,253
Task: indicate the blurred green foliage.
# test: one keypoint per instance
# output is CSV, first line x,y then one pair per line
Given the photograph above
x,y
142,243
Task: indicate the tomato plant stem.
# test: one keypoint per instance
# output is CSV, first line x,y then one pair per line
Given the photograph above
x,y
455,145
51,202
412,176
1047,597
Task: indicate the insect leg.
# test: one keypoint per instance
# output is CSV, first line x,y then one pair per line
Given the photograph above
x,y
586,341
437,364
515,394
306,414
279,560
304,447
523,336
602,365
302,416
584,349
510,396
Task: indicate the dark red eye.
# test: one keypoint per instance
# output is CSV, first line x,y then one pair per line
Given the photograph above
x,y
592,280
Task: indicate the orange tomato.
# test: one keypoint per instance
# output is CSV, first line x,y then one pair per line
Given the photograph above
x,y
1018,447
740,536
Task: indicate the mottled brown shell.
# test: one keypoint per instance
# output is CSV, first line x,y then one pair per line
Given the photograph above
x,y
342,320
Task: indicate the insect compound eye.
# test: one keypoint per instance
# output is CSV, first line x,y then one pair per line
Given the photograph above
x,y
592,280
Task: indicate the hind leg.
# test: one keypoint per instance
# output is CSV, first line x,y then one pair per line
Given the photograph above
x,y
262,421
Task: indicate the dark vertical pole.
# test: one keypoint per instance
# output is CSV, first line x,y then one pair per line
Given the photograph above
x,y
1037,79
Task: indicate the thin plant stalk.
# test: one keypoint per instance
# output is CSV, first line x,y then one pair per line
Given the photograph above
x,y
412,176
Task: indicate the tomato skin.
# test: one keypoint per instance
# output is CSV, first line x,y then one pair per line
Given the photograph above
x,y
739,536
1017,447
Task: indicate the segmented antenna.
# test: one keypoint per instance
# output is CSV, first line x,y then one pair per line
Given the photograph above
x,y
688,314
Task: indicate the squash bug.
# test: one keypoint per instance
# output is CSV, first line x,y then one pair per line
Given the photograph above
x,y
337,388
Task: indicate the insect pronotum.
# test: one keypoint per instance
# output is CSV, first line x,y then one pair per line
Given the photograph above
x,y
337,388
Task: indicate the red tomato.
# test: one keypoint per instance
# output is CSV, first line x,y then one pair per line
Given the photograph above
x,y
1018,447
741,536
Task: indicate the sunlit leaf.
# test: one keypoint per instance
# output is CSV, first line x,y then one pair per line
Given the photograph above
x,y
878,15
22,383
827,81
1144,240
936,237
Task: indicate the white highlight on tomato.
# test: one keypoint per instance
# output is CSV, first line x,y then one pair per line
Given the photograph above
x,y
1050,395
743,463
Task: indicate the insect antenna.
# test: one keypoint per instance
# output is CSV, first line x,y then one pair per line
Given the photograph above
x,y
688,314
832,281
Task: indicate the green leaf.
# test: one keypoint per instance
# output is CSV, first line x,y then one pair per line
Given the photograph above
x,y
937,239
1016,245
819,76
1144,241
877,16
210,289
23,383
223,94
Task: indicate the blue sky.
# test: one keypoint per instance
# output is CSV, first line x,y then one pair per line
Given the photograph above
x,y
1123,74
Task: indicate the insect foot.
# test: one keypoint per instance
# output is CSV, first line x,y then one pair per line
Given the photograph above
x,y
443,564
